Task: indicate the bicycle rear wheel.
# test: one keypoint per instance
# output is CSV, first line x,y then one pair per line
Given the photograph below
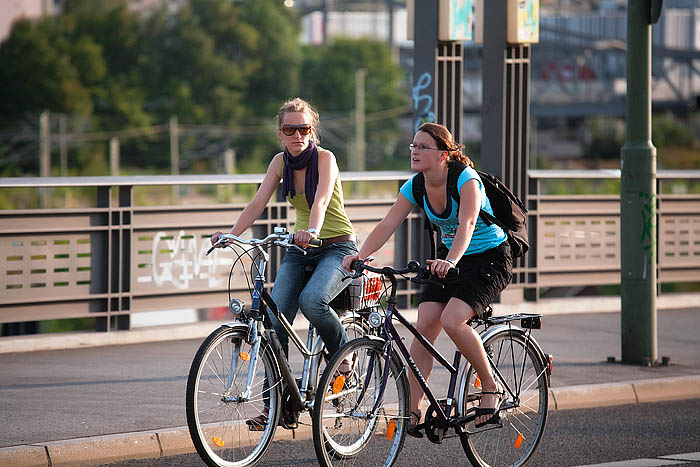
x,y
219,400
513,442
343,424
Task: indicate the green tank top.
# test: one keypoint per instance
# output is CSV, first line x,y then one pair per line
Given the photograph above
x,y
335,223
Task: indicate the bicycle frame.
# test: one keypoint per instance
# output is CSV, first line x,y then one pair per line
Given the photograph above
x,y
308,350
443,415
389,329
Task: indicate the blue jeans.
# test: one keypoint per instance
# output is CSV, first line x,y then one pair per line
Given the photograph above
x,y
291,291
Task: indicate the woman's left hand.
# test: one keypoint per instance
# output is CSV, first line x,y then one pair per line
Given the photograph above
x,y
439,267
303,237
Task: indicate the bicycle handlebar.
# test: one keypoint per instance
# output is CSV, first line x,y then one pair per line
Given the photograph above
x,y
413,267
281,239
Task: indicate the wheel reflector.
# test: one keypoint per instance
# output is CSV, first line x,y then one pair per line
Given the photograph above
x,y
244,356
519,441
218,441
338,384
391,429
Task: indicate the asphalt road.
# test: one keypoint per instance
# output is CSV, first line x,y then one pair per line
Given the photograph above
x,y
572,438
63,394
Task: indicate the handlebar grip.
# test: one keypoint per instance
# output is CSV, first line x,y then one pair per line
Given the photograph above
x,y
210,250
315,242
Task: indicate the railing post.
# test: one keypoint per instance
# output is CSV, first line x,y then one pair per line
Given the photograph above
x,y
506,115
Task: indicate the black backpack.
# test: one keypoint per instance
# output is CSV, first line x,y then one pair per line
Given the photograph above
x,y
510,213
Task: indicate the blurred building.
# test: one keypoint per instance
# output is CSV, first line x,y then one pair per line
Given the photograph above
x,y
11,10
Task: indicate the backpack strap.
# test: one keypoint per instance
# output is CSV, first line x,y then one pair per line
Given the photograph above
x,y
454,170
418,189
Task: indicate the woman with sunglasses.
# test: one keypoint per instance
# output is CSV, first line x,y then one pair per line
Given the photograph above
x,y
481,253
311,183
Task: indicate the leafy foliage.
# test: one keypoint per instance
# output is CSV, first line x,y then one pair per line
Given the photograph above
x,y
209,62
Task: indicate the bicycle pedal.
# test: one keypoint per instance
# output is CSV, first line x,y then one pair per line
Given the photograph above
x,y
256,427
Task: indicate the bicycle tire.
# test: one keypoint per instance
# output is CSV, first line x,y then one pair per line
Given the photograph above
x,y
513,442
355,327
218,428
342,427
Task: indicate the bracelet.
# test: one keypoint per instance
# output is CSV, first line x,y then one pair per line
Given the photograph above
x,y
451,262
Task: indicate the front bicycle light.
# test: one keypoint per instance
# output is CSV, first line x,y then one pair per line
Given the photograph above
x,y
375,319
236,307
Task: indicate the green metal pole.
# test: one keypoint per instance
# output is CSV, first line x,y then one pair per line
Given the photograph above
x,y
638,198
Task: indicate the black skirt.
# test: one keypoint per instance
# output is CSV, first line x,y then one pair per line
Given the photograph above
x,y
482,276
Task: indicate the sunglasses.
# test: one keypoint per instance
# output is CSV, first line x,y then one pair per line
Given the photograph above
x,y
289,130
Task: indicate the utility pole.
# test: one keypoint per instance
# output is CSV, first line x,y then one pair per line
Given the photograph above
x,y
226,191
174,153
44,155
230,161
63,147
114,156
360,146
638,197
44,145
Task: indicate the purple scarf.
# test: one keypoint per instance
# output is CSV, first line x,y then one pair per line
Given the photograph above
x,y
308,158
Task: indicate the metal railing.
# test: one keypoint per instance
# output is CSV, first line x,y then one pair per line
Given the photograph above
x,y
120,257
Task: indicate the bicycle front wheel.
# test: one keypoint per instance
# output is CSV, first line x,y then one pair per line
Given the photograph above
x,y
223,394
512,443
344,424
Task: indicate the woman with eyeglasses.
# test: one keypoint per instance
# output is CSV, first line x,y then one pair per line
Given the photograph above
x,y
480,251
311,184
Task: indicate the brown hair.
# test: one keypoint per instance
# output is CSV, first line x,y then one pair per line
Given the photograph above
x,y
446,142
300,105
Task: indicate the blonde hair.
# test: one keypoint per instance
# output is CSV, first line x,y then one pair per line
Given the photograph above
x,y
446,142
300,105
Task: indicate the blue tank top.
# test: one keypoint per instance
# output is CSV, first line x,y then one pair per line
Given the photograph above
x,y
484,237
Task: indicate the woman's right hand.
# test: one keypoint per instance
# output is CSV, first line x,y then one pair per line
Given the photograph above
x,y
215,236
348,260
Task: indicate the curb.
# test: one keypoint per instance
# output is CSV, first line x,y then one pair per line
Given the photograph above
x,y
175,441
77,340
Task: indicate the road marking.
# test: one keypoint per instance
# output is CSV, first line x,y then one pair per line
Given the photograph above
x,y
691,456
638,463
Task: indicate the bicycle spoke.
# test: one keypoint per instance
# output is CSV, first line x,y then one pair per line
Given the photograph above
x,y
518,366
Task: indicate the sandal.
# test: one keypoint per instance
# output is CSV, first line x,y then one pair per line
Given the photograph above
x,y
346,366
414,428
258,422
494,411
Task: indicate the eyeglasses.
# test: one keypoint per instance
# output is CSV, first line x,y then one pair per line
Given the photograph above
x,y
421,147
289,130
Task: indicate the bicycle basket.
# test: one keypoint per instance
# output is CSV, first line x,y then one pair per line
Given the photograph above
x,y
365,290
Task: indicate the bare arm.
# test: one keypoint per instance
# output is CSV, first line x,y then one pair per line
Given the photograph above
x,y
382,231
253,210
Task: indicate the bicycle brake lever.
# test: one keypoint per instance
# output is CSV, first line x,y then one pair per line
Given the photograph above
x,y
291,245
218,244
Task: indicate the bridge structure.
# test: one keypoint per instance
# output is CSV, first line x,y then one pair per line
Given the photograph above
x,y
117,249
579,68
578,65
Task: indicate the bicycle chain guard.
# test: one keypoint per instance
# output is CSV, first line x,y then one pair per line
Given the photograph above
x,y
435,431
289,418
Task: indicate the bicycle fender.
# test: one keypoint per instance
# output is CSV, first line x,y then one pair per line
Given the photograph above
x,y
488,333
236,325
264,342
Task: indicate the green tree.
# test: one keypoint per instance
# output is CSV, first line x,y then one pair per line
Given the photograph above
x,y
329,81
